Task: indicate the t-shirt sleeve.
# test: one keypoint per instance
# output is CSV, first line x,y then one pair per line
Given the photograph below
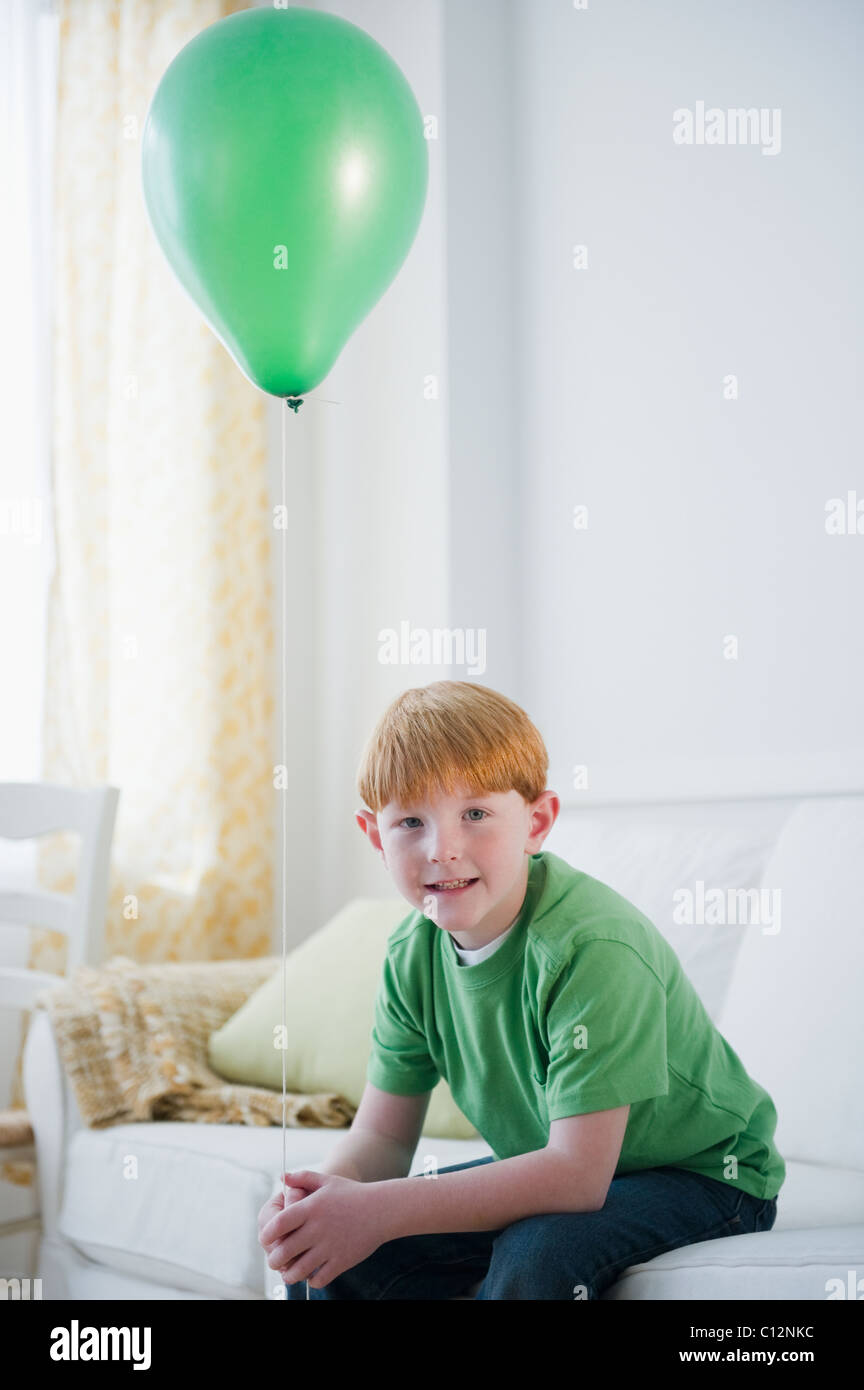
x,y
606,1022
399,1059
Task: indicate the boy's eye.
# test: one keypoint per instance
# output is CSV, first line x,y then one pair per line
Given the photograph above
x,y
476,811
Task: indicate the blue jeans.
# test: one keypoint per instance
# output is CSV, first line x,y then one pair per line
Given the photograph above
x,y
563,1255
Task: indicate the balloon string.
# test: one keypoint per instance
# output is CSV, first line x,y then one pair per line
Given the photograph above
x,y
284,812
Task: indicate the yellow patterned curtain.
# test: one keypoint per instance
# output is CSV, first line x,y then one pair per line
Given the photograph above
x,y
160,660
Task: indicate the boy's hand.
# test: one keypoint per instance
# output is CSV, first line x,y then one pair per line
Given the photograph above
x,y
333,1225
272,1207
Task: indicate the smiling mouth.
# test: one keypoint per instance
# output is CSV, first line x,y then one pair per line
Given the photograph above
x,y
450,885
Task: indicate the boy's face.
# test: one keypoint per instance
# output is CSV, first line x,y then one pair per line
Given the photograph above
x,y
484,838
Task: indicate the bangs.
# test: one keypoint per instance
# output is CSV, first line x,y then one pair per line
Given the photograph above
x,y
449,735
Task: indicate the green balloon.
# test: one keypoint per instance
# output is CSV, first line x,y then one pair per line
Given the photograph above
x,y
284,168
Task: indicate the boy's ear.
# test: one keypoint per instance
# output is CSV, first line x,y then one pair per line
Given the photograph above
x,y
544,815
368,823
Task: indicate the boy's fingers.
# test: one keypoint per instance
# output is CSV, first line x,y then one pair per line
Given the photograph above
x,y
275,1205
283,1222
268,1211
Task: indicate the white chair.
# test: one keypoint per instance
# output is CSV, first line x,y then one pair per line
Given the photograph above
x,y
29,810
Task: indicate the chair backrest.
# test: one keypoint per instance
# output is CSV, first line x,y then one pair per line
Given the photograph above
x,y
33,809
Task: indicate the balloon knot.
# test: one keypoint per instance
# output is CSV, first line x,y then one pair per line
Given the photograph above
x,y
294,402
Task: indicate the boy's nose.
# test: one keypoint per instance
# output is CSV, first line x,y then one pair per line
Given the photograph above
x,y
444,848
441,865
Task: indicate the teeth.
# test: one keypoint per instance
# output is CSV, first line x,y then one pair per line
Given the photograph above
x,y
452,883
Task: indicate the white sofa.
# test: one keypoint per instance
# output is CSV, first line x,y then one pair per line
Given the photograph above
x,y
788,1000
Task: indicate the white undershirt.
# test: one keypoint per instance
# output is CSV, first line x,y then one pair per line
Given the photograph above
x,y
482,952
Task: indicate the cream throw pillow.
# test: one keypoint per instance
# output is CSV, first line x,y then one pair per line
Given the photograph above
x,y
331,980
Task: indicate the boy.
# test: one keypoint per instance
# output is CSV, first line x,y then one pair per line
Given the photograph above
x,y
621,1122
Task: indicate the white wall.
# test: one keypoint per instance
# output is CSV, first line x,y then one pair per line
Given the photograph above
x,y
706,516
602,387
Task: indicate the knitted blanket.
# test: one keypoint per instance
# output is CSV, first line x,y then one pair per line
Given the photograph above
x,y
133,1042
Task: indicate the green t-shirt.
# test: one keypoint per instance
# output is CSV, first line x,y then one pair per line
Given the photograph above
x,y
583,1007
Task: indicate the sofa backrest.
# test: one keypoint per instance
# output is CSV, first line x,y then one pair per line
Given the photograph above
x,y
794,1010
685,865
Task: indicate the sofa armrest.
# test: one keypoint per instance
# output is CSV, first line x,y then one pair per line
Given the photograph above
x,y
53,1114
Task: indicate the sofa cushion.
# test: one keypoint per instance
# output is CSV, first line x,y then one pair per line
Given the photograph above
x,y
140,1199
651,857
813,1195
812,1264
331,980
178,1203
793,1011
